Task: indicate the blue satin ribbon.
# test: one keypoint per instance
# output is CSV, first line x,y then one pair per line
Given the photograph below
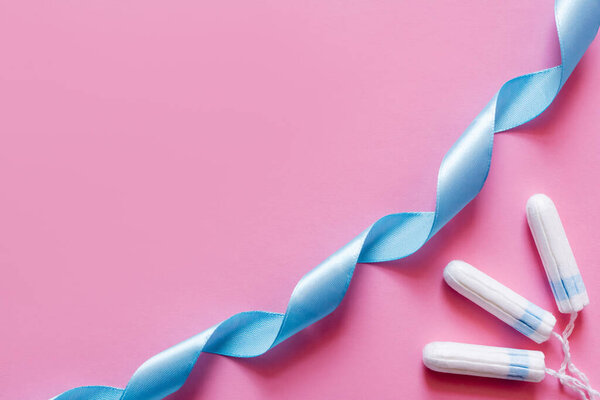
x,y
461,176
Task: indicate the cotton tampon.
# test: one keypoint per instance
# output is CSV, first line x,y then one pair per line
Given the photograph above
x,y
556,254
486,361
510,307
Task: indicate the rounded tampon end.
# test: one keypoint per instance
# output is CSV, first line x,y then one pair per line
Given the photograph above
x,y
485,361
453,271
431,356
556,254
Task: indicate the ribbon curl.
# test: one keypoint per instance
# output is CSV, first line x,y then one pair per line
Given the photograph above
x,y
461,176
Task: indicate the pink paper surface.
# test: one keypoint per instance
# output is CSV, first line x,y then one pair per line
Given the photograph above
x,y
164,165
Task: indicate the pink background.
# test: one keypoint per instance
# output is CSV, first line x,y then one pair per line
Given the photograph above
x,y
139,137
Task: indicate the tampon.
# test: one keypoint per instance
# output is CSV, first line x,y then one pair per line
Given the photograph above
x,y
556,254
486,361
510,307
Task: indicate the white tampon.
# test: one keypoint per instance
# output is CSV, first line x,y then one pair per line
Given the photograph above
x,y
556,254
486,361
510,307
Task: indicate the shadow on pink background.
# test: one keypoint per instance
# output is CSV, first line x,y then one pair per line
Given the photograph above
x,y
165,165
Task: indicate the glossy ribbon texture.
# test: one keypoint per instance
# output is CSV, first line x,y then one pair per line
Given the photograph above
x,y
461,176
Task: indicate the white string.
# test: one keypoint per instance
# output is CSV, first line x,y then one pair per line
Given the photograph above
x,y
569,381
581,384
565,335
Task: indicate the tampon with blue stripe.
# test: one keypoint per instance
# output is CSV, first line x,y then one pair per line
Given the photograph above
x,y
486,361
556,254
510,307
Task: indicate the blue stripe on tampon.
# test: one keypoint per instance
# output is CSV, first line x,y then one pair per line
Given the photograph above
x,y
574,284
519,365
530,321
558,290
567,287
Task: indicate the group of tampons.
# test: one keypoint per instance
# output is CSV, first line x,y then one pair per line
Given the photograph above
x,y
524,316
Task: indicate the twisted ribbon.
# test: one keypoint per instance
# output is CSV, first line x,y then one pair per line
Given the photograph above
x,y
461,176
